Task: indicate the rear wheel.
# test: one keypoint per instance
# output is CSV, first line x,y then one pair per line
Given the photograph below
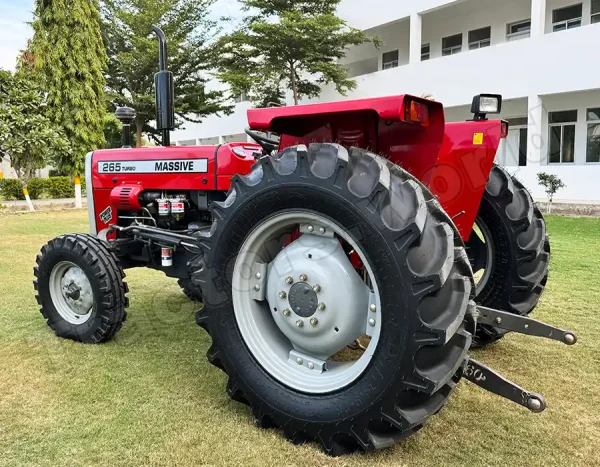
x,y
80,288
190,290
283,299
509,251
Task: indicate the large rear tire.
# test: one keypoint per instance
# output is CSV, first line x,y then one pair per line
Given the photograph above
x,y
80,288
509,249
421,288
191,291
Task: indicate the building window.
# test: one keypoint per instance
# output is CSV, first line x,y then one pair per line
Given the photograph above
x,y
480,38
390,60
425,52
562,136
567,18
593,135
452,45
518,30
595,11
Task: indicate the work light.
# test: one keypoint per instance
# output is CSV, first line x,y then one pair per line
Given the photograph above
x,y
484,104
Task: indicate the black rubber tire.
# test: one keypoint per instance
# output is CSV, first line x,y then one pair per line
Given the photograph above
x,y
521,251
191,291
106,278
423,276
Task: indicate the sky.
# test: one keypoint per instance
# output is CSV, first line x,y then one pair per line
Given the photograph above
x,y
14,32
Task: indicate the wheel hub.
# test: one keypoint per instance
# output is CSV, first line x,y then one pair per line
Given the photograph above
x,y
292,340
71,292
303,299
324,322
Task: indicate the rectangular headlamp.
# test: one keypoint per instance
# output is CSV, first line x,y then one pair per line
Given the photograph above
x,y
486,104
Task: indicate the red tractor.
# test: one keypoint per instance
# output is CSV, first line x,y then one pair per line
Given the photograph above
x,y
345,269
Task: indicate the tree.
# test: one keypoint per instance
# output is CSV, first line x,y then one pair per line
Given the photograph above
x,y
133,58
291,43
70,56
28,139
551,184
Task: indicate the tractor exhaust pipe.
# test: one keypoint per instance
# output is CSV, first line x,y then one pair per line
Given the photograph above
x,y
163,86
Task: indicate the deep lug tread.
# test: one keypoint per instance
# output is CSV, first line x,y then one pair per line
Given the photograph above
x,y
517,283
191,291
411,220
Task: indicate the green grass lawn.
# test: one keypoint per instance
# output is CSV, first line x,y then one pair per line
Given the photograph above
x,y
151,398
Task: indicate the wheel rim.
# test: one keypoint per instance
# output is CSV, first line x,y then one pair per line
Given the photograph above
x,y
71,292
480,249
309,281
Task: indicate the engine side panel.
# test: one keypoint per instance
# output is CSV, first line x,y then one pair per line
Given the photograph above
x,y
173,168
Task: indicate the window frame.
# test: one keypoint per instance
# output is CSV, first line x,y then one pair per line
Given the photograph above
x,y
397,61
568,23
590,122
562,126
594,15
479,43
428,53
512,35
456,49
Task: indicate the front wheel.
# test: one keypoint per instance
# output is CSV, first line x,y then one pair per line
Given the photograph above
x,y
318,248
80,288
509,251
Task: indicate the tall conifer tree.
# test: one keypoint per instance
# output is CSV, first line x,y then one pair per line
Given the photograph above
x,y
70,55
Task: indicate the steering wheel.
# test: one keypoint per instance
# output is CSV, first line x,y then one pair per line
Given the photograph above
x,y
269,145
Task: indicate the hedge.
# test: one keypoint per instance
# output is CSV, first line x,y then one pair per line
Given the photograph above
x,y
12,189
53,187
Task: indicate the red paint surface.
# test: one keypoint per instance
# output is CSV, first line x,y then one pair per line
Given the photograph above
x,y
443,156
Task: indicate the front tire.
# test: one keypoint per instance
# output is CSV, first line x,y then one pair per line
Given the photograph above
x,y
510,250
422,281
80,288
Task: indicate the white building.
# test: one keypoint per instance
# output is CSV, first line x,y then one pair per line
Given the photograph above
x,y
539,54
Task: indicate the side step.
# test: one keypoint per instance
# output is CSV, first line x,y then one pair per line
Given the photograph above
x,y
491,381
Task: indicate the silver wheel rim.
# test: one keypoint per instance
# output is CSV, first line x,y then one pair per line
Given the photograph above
x,y
485,236
261,288
71,292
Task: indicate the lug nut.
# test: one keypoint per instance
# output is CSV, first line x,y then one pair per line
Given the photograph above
x,y
299,361
303,277
282,294
289,280
321,306
321,230
317,288
371,322
314,321
299,323
257,287
310,365
373,308
310,228
258,275
286,312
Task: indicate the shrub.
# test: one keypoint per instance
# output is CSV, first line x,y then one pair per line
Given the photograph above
x,y
36,187
61,187
12,189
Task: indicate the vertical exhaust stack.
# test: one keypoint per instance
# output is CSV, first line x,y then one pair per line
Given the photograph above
x,y
163,85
